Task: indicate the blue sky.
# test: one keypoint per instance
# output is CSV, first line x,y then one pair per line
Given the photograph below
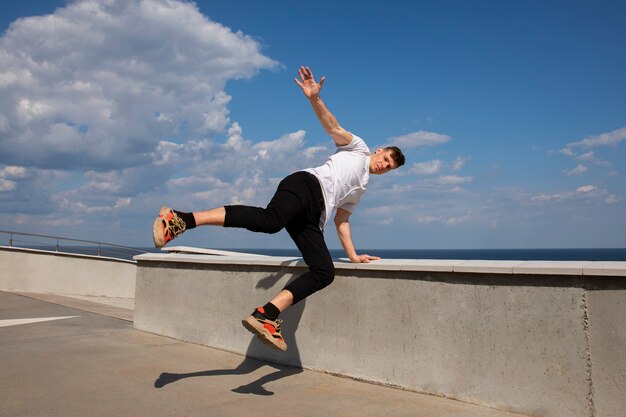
x,y
511,114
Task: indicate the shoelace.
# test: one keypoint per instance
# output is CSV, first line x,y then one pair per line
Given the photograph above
x,y
176,225
278,323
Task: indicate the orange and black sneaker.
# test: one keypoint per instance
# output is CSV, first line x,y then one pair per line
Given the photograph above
x,y
268,331
167,226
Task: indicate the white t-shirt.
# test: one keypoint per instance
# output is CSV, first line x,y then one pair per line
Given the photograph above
x,y
343,177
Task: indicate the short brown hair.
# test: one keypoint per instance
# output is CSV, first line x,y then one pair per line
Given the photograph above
x,y
396,155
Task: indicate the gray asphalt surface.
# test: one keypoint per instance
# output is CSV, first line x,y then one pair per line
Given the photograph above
x,y
96,365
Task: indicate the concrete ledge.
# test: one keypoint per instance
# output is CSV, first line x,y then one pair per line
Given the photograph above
x,y
551,267
204,251
607,269
486,267
65,254
62,273
427,265
537,338
574,268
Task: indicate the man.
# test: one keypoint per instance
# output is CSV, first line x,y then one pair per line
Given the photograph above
x,y
303,204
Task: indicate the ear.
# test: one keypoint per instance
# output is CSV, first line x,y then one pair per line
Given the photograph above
x,y
378,151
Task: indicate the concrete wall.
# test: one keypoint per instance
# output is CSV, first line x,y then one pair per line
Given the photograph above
x,y
52,272
607,339
544,339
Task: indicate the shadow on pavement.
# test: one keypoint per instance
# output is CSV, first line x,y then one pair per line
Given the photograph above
x,y
249,365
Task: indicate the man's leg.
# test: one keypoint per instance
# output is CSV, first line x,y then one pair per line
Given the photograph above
x,y
310,241
170,223
214,217
283,207
283,300
321,273
293,203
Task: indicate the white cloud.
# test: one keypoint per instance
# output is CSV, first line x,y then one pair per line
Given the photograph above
x,y
590,157
448,221
612,199
197,182
389,211
10,177
7,185
79,206
579,170
459,163
425,219
544,197
454,180
604,139
41,222
99,85
586,189
587,156
124,100
285,145
11,171
428,167
452,221
566,152
314,151
235,140
166,153
418,139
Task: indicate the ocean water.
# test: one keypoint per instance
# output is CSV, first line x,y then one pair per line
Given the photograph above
x,y
607,254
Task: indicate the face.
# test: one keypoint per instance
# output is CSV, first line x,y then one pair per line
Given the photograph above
x,y
381,162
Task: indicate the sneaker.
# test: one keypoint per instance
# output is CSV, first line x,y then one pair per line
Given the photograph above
x,y
167,226
268,331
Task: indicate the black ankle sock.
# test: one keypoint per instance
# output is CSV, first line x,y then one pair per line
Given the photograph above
x,y
190,221
271,311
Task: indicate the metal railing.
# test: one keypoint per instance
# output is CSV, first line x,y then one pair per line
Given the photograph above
x,y
77,246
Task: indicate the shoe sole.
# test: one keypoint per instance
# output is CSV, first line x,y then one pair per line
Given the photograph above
x,y
262,333
157,230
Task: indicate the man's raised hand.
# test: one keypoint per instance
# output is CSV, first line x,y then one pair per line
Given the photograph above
x,y
307,83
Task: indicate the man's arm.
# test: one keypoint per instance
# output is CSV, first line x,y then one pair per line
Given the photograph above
x,y
342,224
311,90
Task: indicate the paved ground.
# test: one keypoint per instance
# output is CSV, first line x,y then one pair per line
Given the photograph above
x,y
91,364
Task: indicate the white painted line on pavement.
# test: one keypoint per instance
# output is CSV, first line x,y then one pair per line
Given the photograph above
x,y
17,322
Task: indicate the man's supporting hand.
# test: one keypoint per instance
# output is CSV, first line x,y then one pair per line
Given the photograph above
x,y
364,259
342,223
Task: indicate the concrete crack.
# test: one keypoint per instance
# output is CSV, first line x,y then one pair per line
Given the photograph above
x,y
589,396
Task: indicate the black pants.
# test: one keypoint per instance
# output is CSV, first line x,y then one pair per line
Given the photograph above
x,y
296,206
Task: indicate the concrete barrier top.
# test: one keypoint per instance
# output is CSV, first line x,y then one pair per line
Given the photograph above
x,y
576,268
65,254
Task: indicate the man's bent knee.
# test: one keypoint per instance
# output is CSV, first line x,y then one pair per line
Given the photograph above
x,y
268,228
311,282
273,221
324,276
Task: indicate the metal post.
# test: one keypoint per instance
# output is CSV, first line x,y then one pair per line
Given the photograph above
x,y
57,248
